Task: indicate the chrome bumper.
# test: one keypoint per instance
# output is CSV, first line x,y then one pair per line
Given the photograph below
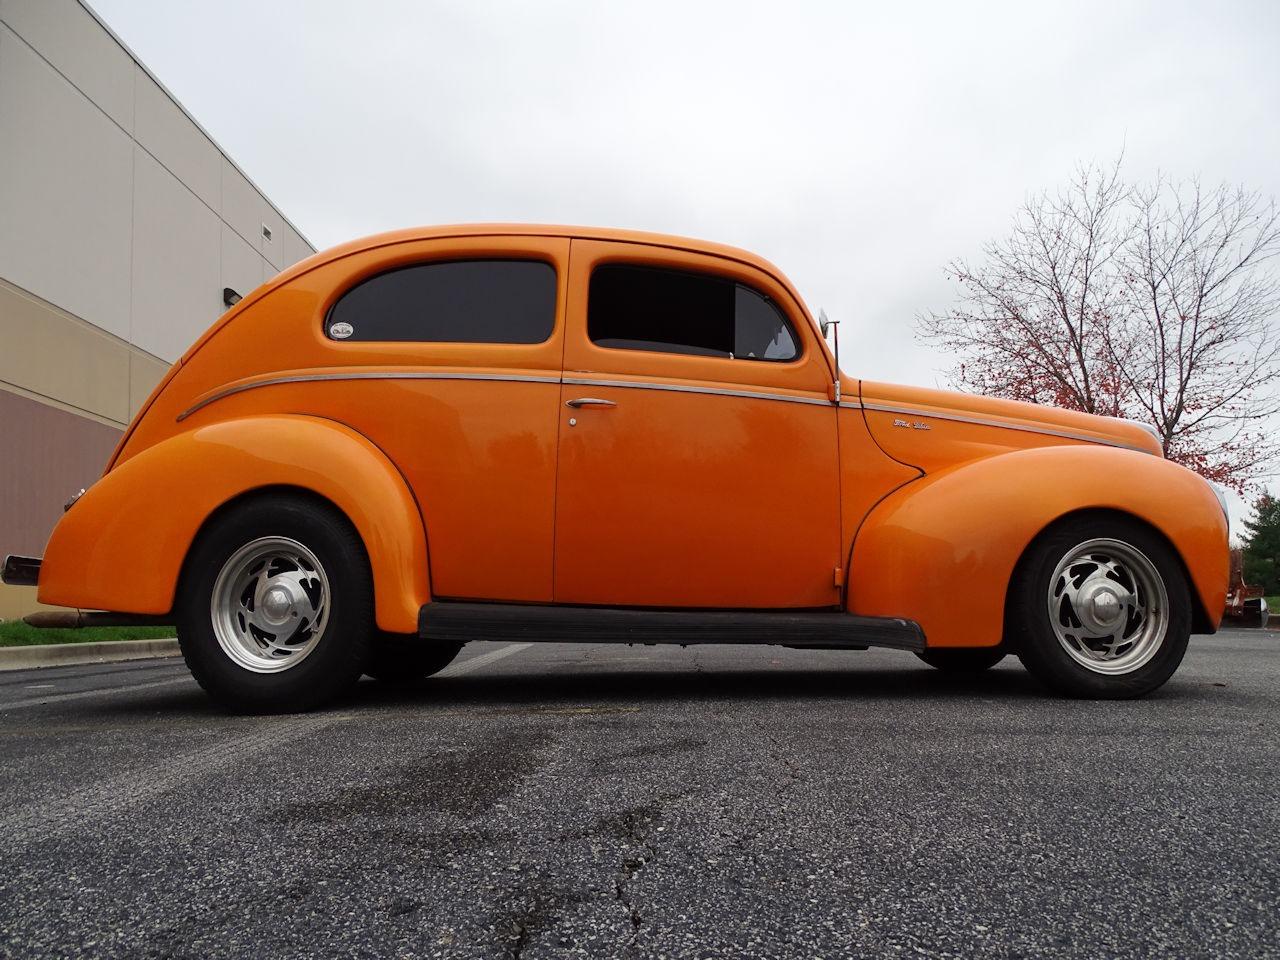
x,y
20,571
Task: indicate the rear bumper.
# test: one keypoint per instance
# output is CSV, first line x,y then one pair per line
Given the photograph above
x,y
20,571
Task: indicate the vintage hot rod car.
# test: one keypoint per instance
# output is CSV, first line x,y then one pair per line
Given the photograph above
x,y
545,433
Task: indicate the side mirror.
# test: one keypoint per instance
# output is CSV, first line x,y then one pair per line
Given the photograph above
x,y
824,324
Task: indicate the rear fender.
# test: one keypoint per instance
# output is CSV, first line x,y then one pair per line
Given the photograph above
x,y
942,550
123,544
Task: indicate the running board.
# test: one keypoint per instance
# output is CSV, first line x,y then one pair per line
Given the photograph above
x,y
460,622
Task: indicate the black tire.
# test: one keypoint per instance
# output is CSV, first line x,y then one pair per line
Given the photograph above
x,y
1031,632
962,660
336,659
403,660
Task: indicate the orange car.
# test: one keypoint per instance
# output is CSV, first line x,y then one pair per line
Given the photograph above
x,y
546,433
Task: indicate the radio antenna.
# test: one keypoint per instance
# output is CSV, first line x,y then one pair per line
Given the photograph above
x,y
826,324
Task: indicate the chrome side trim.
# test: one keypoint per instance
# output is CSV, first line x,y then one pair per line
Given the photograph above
x,y
983,422
711,391
642,385
359,375
502,378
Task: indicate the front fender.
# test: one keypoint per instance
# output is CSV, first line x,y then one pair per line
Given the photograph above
x,y
942,550
122,546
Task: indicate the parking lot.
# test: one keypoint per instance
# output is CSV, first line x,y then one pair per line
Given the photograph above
x,y
560,800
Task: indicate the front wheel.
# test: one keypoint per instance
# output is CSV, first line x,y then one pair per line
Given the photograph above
x,y
1100,609
275,608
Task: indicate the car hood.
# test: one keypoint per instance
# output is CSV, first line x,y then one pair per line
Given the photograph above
x,y
889,406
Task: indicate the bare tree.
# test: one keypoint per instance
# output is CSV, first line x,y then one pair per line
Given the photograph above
x,y
1156,303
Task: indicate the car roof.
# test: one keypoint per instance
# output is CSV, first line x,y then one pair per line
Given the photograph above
x,y
532,230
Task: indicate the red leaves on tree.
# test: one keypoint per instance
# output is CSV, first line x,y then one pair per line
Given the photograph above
x,y
1155,303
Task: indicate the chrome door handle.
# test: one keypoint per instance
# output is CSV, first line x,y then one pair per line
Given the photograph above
x,y
589,402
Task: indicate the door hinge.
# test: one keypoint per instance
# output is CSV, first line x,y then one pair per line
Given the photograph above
x,y
837,580
833,392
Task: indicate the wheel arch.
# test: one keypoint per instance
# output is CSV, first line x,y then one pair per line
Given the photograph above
x,y
125,543
1201,622
245,497
942,550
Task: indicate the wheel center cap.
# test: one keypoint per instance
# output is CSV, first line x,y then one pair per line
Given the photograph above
x,y
277,603
1105,606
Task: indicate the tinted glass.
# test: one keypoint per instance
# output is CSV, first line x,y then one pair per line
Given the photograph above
x,y
465,301
645,308
760,330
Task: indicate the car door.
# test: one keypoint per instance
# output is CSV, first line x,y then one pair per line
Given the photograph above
x,y
698,461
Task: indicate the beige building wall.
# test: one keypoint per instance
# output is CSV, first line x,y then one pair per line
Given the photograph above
x,y
121,222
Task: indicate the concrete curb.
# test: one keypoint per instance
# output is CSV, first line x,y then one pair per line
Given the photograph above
x,y
62,654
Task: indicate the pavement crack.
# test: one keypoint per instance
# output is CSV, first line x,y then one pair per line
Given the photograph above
x,y
638,831
521,930
793,770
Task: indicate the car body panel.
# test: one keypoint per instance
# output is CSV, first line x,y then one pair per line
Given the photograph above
x,y
712,482
933,429
946,546
122,545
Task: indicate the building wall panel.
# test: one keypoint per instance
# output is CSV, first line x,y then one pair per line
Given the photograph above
x,y
50,453
169,135
272,250
66,173
55,355
241,205
241,265
176,250
70,38
295,248
144,373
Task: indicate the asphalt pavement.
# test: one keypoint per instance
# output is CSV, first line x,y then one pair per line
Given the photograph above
x,y
554,800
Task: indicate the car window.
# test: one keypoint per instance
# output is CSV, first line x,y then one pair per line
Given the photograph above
x,y
673,311
461,301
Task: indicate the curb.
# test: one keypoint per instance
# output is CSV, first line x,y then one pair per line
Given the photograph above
x,y
63,654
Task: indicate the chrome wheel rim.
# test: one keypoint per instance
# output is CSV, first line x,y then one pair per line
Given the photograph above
x,y
1108,606
270,604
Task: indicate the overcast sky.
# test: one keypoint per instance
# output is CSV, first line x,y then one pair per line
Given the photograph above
x,y
858,146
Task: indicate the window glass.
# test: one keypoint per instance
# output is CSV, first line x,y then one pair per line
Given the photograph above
x,y
463,301
648,308
760,331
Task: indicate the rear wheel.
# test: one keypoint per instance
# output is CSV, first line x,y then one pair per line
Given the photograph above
x,y
1101,609
403,660
962,660
276,606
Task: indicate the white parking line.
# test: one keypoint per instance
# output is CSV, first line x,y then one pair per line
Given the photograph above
x,y
455,670
475,663
87,807
97,692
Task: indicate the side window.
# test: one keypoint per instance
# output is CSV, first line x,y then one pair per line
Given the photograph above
x,y
671,311
460,301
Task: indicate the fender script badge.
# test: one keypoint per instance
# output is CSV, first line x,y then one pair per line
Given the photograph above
x,y
915,425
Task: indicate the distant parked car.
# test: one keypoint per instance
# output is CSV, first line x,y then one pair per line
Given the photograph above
x,y
1256,611
529,433
1246,606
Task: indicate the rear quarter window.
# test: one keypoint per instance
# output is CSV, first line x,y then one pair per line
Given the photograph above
x,y
458,301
